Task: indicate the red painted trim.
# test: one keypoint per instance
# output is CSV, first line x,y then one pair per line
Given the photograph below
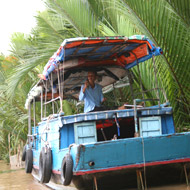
x,y
36,167
133,166
56,172
124,167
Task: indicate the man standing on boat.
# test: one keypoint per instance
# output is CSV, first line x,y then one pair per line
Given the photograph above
x,y
91,94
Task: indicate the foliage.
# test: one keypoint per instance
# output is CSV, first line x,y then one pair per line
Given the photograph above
x,y
12,113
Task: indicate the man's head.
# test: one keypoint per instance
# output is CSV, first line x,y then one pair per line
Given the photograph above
x,y
92,76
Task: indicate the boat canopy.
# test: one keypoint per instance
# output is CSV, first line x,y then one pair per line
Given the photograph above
x,y
102,51
110,57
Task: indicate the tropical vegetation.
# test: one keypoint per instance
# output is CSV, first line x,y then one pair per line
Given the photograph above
x,y
165,22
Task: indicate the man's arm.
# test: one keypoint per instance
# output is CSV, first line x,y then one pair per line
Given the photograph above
x,y
102,96
81,95
86,84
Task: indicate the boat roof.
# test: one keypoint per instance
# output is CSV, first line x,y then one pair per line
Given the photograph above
x,y
110,57
97,51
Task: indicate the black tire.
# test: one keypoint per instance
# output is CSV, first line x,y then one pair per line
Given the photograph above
x,y
29,161
24,154
67,170
45,165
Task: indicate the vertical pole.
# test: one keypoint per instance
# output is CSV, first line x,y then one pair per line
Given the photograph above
x,y
130,83
95,183
135,118
186,177
34,114
52,94
154,66
29,123
63,82
60,92
41,103
139,74
140,185
140,81
45,98
58,76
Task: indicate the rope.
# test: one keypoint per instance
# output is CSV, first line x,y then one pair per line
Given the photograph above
x,y
47,128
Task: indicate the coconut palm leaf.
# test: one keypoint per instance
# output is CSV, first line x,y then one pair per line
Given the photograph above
x,y
162,24
77,13
182,8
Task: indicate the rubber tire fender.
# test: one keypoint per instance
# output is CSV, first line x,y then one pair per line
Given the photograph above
x,y
45,165
67,170
29,160
24,154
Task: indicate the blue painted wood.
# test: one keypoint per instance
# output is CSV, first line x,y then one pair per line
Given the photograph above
x,y
109,153
110,114
36,138
66,135
167,124
130,151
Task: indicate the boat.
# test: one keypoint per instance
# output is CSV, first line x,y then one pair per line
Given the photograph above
x,y
127,146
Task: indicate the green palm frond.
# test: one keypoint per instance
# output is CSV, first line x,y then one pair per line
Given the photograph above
x,y
182,8
77,13
167,29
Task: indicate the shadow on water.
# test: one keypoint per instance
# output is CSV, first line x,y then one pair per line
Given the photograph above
x,y
19,180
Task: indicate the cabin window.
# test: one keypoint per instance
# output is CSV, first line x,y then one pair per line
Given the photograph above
x,y
85,132
108,130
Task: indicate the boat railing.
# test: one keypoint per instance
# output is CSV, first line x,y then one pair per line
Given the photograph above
x,y
55,99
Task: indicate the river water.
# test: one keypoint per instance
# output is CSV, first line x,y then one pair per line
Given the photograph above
x,y
19,180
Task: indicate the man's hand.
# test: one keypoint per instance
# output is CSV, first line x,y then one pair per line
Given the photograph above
x,y
41,76
86,85
104,99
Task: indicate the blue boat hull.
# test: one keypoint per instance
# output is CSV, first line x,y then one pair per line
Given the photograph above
x,y
116,162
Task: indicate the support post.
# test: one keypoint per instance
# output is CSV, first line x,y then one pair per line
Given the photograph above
x,y
186,177
45,98
140,79
140,185
135,119
29,124
131,83
95,183
41,103
52,93
60,91
34,114
156,80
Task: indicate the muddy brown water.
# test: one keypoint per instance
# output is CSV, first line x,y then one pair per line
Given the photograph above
x,y
19,180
